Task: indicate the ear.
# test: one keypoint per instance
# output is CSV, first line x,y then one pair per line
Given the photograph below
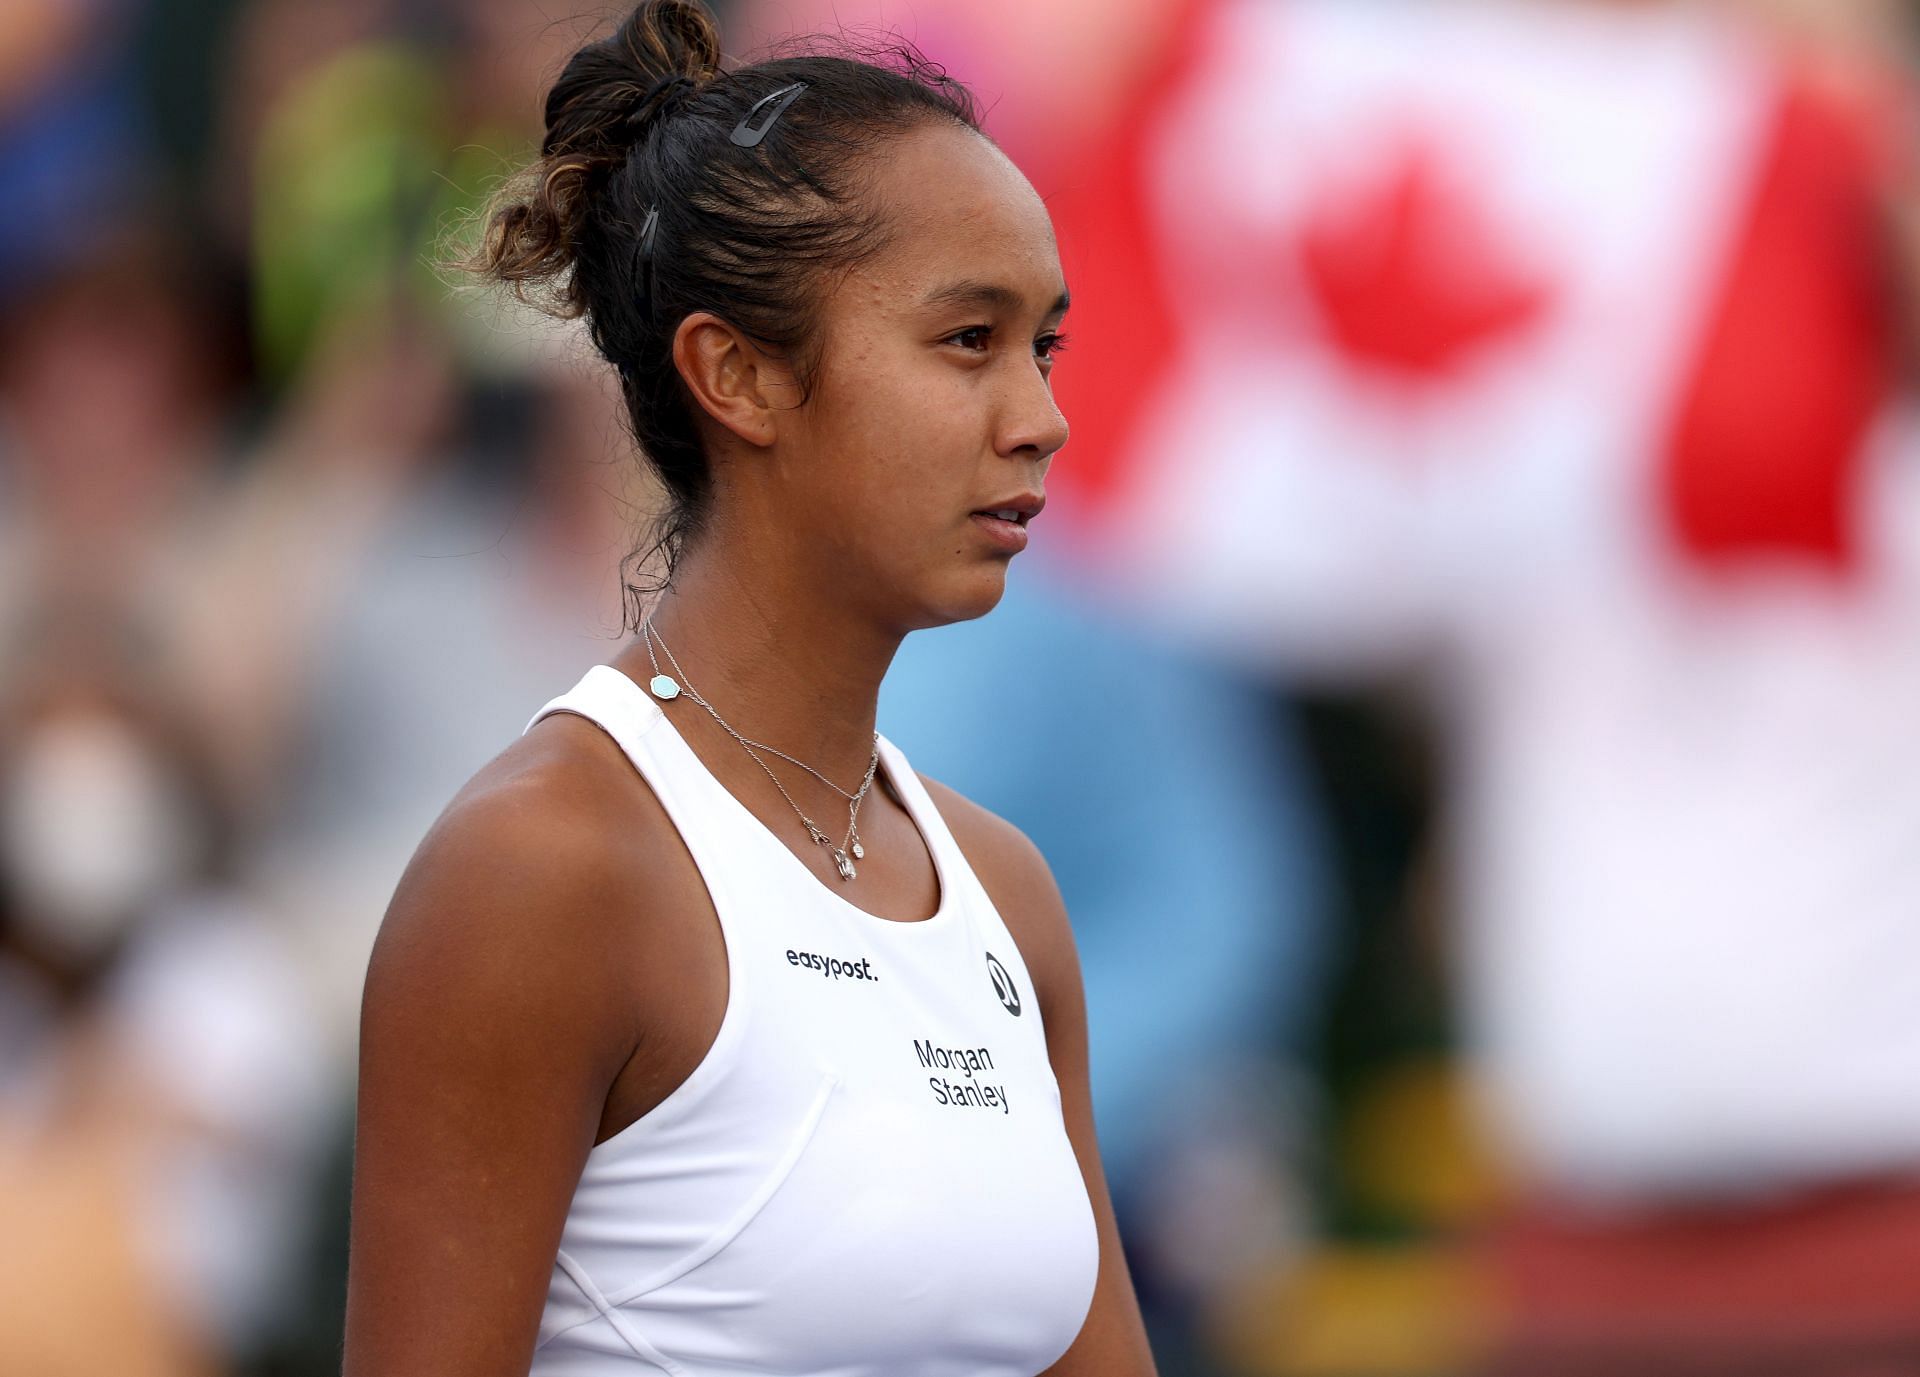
x,y
734,381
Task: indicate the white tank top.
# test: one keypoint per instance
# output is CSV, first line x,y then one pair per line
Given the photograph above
x,y
868,1174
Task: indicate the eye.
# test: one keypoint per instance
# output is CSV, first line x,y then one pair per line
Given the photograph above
x,y
1048,346
973,337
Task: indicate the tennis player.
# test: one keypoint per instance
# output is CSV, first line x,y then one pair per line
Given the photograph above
x,y
702,1035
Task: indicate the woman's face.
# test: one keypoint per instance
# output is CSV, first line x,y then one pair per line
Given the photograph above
x,y
931,403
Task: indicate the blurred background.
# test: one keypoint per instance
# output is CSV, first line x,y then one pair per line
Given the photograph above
x,y
1470,660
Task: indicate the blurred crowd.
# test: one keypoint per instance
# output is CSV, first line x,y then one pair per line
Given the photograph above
x,y
1467,668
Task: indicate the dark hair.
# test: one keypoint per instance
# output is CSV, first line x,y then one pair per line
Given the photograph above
x,y
643,208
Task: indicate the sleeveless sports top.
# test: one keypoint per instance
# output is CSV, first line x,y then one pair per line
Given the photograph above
x,y
868,1174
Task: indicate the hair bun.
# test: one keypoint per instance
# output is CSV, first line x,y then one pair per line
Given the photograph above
x,y
658,101
672,38
611,90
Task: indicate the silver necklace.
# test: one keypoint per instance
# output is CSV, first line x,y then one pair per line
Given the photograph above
x,y
666,688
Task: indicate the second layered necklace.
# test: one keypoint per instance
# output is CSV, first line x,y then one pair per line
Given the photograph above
x,y
668,687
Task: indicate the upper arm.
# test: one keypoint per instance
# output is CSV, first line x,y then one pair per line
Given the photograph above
x,y
1113,1341
491,1028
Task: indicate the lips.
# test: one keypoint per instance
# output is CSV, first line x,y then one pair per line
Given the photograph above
x,y
1005,523
1018,509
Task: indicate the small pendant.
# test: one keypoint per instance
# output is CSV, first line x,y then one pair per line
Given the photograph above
x,y
847,871
859,852
663,688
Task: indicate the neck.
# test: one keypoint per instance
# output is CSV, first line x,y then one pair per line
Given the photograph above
x,y
782,665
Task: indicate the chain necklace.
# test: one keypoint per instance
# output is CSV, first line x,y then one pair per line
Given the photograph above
x,y
666,688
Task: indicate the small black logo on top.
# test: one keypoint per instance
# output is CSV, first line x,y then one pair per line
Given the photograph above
x,y
1003,987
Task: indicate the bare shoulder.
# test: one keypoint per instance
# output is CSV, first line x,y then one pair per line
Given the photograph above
x,y
995,848
516,861
1018,880
526,896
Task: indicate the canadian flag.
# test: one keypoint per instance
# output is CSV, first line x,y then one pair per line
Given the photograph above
x,y
1427,275
1552,344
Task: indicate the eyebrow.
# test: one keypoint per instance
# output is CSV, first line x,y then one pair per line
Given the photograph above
x,y
991,296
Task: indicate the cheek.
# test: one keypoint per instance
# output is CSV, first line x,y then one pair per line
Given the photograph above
x,y
909,449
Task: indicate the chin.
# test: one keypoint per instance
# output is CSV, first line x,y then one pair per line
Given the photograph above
x,y
965,595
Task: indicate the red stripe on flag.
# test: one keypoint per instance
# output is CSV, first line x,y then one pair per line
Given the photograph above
x,y
1122,325
1797,359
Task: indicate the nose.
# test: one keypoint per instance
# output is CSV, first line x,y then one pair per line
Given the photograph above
x,y
1034,427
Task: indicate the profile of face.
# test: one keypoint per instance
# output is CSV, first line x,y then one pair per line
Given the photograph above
x,y
931,403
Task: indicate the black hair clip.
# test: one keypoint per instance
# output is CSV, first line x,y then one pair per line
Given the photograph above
x,y
643,257
746,133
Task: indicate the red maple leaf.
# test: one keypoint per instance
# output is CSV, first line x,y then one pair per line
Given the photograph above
x,y
1410,279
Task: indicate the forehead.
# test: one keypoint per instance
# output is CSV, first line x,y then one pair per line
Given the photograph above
x,y
958,209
